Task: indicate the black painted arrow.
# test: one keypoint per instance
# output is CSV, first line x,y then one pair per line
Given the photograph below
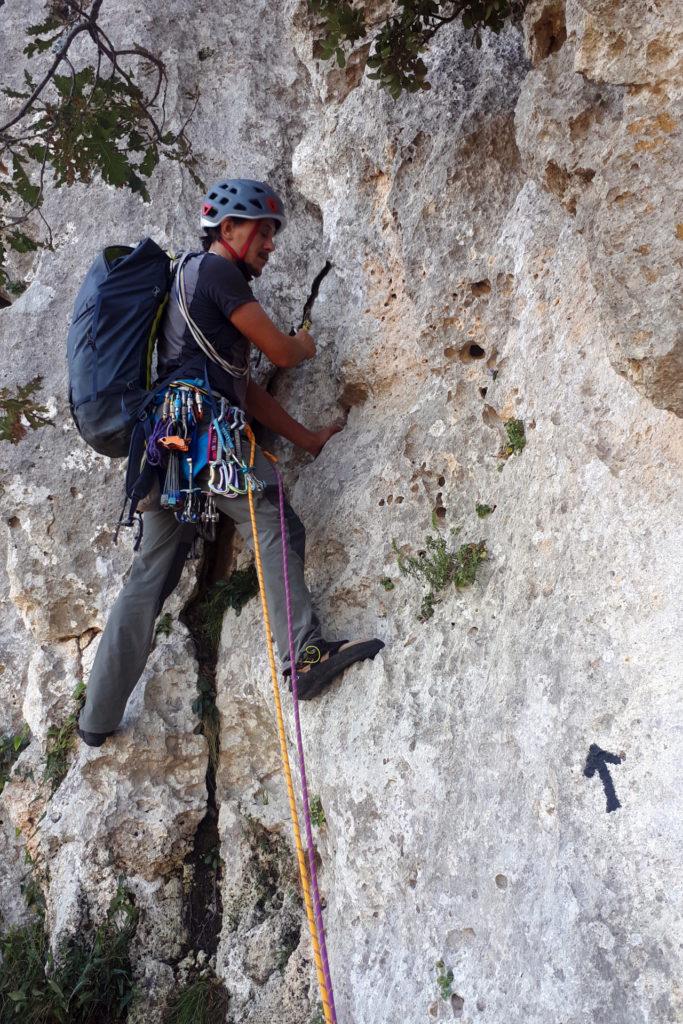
x,y
597,761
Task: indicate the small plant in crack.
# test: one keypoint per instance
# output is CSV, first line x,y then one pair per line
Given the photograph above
x,y
10,748
213,860
89,979
318,818
204,706
438,568
239,588
273,870
516,439
201,1001
484,510
19,412
387,583
60,742
289,941
164,626
444,979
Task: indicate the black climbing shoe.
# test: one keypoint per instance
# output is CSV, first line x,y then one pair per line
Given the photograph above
x,y
93,739
323,662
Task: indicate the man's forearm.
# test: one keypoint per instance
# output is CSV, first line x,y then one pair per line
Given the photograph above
x,y
270,413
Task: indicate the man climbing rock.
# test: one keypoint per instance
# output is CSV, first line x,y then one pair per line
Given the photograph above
x,y
240,219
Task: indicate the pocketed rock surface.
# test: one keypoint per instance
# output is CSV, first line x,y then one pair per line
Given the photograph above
x,y
505,246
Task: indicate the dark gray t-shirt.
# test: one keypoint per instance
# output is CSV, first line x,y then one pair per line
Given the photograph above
x,y
214,288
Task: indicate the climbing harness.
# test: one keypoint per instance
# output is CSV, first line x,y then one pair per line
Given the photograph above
x,y
306,873
179,446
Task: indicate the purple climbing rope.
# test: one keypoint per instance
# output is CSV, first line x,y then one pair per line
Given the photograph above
x,y
317,908
155,457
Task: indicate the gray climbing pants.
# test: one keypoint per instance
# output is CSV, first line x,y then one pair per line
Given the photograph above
x,y
127,639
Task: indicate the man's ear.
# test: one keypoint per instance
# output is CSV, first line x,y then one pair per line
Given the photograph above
x,y
226,227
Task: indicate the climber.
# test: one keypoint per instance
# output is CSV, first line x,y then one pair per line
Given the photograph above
x,y
240,219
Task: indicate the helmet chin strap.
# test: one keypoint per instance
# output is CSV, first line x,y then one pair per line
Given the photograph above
x,y
245,247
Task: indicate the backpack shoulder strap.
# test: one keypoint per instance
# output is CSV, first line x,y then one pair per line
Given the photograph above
x,y
201,339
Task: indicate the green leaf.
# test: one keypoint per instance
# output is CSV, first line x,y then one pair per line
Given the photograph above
x,y
27,192
136,141
49,25
150,161
40,45
36,152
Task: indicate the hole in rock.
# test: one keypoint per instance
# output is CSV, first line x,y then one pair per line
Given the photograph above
x,y
353,394
548,32
483,392
441,481
471,352
490,416
502,881
458,1005
481,287
13,522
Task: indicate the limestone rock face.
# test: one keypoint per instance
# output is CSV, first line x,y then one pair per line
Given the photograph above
x,y
599,126
502,257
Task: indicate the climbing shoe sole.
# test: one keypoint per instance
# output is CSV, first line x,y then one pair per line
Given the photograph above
x,y
312,681
93,739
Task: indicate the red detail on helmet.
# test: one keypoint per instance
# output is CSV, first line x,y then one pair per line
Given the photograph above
x,y
272,204
207,208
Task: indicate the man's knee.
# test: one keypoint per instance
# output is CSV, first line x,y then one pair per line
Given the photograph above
x,y
296,531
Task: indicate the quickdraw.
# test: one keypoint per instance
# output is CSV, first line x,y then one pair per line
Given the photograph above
x,y
229,473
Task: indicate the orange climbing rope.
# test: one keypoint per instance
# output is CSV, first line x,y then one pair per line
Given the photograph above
x,y
328,1010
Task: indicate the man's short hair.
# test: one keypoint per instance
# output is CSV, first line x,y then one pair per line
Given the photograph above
x,y
213,234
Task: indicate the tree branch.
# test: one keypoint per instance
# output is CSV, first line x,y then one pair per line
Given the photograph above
x,y
61,54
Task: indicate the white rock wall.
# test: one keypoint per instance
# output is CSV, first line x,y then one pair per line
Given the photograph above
x,y
460,826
